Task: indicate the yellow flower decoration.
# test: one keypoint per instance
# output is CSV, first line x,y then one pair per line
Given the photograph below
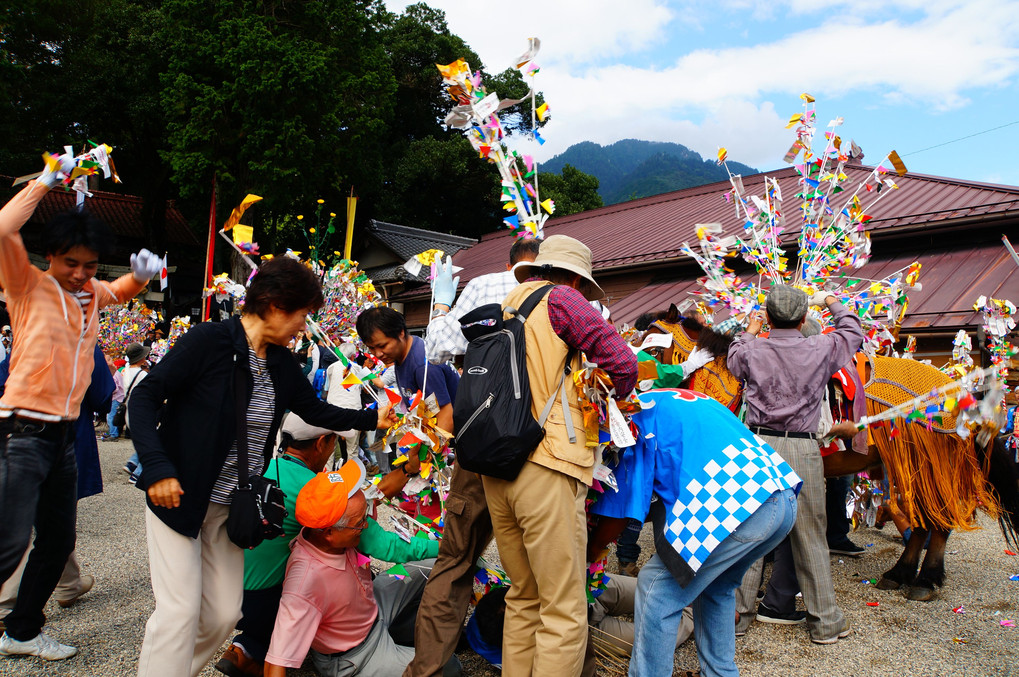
x,y
300,217
311,230
320,201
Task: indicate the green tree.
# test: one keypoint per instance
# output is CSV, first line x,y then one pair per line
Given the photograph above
x,y
441,185
573,191
290,101
88,69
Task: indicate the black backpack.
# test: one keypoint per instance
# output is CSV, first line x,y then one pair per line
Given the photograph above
x,y
495,430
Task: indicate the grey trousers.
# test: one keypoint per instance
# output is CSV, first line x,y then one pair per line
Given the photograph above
x,y
378,655
809,543
618,600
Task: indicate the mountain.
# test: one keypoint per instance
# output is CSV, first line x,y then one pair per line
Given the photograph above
x,y
630,168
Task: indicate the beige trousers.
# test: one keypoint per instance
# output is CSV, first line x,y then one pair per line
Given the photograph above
x,y
68,587
541,530
198,584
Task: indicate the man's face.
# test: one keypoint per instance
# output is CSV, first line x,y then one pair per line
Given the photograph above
x,y
73,268
357,519
387,349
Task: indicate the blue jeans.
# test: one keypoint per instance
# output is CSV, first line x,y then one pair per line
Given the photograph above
x,y
660,599
38,487
114,430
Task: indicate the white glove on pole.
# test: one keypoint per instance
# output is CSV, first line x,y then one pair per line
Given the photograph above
x,y
52,176
698,358
818,299
145,265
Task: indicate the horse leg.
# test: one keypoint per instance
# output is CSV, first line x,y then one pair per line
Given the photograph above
x,y
932,573
904,570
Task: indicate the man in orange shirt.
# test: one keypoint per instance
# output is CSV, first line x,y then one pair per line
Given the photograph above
x,y
55,315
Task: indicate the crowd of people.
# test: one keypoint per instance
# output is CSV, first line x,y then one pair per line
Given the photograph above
x,y
723,483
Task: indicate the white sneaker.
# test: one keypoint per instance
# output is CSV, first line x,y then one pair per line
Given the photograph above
x,y
43,646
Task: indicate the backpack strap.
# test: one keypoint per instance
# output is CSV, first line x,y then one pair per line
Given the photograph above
x,y
526,307
561,390
530,303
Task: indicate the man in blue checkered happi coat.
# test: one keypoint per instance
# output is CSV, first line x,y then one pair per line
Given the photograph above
x,y
719,499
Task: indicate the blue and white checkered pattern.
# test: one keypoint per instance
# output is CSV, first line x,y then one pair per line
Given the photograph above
x,y
720,497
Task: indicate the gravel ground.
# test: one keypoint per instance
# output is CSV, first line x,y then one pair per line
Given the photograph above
x,y
898,637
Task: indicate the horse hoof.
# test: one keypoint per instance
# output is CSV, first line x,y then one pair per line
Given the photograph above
x,y
887,584
920,594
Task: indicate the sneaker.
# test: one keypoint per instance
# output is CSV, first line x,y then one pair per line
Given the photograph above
x,y
236,663
87,582
845,547
41,645
766,614
130,468
845,632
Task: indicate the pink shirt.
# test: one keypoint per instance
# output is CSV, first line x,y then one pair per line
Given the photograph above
x,y
327,605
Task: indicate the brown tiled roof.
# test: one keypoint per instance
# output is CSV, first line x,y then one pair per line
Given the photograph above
x,y
652,229
952,279
121,212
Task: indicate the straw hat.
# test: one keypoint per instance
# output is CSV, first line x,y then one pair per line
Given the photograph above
x,y
567,253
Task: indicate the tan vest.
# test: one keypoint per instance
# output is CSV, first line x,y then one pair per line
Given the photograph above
x,y
546,358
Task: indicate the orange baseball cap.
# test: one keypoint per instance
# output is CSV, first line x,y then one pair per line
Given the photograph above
x,y
323,500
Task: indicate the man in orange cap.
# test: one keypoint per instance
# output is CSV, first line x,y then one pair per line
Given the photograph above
x,y
330,605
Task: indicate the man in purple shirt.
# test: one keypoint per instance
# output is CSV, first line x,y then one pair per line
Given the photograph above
x,y
785,378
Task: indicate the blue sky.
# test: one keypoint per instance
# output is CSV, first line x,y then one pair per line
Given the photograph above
x,y
904,74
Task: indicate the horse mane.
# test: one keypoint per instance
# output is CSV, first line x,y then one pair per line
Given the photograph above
x,y
1003,476
715,343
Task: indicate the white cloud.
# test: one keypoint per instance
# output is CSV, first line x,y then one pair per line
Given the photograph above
x,y
936,54
572,31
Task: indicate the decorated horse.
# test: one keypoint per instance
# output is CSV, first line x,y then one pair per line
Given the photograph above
x,y
689,332
943,479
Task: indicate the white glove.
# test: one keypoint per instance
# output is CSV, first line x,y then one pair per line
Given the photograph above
x,y
145,265
51,177
818,299
698,358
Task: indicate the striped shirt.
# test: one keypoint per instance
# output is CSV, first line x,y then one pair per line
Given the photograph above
x,y
260,413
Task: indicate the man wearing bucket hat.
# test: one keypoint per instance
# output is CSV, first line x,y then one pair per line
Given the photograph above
x,y
330,605
306,449
134,373
785,378
538,518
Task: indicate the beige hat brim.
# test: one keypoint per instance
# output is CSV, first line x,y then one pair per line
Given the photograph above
x,y
525,269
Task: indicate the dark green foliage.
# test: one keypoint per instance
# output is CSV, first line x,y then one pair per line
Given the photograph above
x,y
573,191
630,168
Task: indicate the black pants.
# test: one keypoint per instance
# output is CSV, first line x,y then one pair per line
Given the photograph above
x,y
38,487
258,617
836,490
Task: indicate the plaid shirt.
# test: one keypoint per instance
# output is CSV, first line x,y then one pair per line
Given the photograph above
x,y
580,326
444,338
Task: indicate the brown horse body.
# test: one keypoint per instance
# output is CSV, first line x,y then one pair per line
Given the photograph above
x,y
943,478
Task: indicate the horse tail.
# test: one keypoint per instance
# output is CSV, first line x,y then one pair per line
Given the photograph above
x,y
1002,474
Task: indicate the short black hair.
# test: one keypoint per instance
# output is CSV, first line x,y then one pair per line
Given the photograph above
x,y
286,283
784,324
77,228
490,613
382,318
522,247
563,277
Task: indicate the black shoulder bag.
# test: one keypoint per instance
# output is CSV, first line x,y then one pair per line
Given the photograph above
x,y
257,509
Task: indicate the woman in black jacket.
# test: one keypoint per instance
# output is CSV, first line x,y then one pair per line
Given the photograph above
x,y
190,461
